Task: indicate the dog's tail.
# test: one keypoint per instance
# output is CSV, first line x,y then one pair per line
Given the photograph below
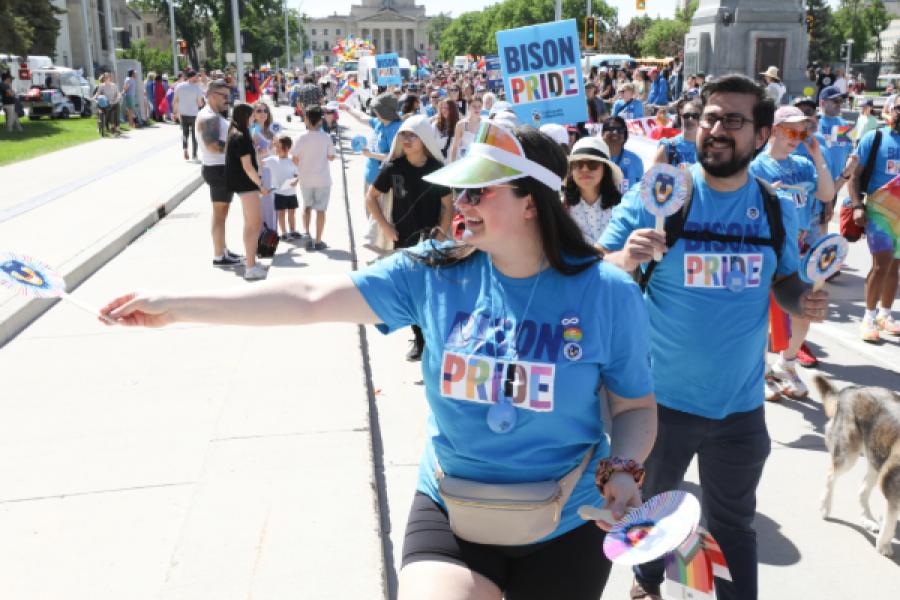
x,y
828,393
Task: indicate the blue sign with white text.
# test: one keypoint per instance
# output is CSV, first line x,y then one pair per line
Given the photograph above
x,y
542,73
388,66
494,72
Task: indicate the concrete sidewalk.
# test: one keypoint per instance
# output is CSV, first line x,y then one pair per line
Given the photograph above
x,y
192,462
77,208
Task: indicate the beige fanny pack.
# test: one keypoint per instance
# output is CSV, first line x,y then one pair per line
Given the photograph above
x,y
507,514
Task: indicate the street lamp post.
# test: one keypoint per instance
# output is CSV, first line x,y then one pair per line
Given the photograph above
x,y
558,10
88,55
238,50
287,40
847,57
172,30
110,38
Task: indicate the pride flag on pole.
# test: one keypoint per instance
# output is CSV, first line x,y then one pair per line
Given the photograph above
x,y
349,88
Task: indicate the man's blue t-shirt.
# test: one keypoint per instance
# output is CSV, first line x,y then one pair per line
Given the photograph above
x,y
706,341
682,151
793,170
632,168
838,144
382,138
633,109
887,162
576,334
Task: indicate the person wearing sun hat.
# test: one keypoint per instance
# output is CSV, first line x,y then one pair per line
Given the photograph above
x,y
774,88
592,187
523,321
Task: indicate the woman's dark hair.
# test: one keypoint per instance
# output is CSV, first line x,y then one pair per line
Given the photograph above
x,y
617,120
563,243
592,111
763,108
447,126
240,119
409,104
610,195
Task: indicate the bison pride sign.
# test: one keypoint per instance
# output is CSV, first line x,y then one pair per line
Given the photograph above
x,y
542,73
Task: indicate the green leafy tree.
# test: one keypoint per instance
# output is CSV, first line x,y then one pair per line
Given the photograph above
x,y
436,27
192,21
627,39
688,14
862,21
665,37
151,59
29,27
824,38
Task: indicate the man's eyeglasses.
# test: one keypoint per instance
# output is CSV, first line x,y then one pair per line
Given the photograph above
x,y
614,130
731,121
473,196
690,115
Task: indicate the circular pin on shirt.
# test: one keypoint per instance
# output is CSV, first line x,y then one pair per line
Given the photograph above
x,y
753,213
572,351
501,417
736,281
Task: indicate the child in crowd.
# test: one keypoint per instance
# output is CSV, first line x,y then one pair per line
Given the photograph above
x,y
311,154
283,178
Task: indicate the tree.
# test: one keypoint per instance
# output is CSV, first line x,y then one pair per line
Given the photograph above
x,y
436,27
29,27
687,15
862,21
151,59
824,38
665,37
627,40
192,21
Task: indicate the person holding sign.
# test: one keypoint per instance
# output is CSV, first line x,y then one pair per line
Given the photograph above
x,y
615,134
732,241
802,182
491,305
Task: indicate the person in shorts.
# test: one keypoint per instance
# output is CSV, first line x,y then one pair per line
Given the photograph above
x,y
212,129
312,153
283,179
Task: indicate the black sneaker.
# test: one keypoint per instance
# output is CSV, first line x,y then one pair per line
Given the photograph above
x,y
227,261
228,252
415,352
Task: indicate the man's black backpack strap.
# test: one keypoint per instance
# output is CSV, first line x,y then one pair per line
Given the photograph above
x,y
675,230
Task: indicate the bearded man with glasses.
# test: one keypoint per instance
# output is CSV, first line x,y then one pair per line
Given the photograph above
x,y
708,301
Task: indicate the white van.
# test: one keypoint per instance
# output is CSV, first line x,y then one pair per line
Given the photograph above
x,y
38,71
462,62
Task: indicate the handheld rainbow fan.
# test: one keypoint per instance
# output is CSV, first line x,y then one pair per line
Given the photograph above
x,y
31,277
664,189
823,260
657,527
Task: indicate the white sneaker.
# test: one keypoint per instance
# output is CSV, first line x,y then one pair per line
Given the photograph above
x,y
791,384
255,272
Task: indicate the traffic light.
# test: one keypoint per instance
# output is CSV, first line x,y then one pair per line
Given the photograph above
x,y
640,4
590,32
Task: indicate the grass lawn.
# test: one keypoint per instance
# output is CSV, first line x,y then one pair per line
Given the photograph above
x,y
45,135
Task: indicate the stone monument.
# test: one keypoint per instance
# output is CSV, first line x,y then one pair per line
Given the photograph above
x,y
747,37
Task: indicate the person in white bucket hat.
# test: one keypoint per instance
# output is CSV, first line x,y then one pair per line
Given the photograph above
x,y
523,322
592,187
774,87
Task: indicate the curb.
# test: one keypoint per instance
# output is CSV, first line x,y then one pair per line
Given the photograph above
x,y
19,313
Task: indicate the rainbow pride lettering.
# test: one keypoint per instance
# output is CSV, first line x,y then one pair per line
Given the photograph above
x,y
487,380
543,86
710,270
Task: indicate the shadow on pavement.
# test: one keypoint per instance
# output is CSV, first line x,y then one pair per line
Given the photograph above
x,y
870,537
287,260
336,254
773,548
862,374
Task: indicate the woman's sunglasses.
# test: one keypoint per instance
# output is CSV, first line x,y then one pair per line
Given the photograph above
x,y
690,115
590,165
473,196
264,111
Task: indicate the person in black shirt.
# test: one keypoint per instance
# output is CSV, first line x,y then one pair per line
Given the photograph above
x,y
825,79
418,206
242,177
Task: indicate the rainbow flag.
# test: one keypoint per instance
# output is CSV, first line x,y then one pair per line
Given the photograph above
x,y
690,568
883,210
841,134
349,88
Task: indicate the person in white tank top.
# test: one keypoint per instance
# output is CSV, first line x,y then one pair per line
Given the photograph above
x,y
466,130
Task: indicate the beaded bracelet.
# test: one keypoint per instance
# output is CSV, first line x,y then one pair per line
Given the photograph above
x,y
607,466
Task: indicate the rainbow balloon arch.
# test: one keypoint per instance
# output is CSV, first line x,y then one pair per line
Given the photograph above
x,y
352,48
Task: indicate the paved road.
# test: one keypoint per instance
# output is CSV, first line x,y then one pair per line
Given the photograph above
x,y
215,462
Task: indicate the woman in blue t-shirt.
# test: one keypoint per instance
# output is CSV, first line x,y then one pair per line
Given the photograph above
x,y
524,324
681,150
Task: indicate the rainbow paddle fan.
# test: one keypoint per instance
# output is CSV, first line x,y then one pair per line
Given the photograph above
x,y
883,209
659,526
36,279
823,260
664,189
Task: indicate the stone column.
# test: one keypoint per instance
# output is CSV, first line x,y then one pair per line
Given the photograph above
x,y
411,47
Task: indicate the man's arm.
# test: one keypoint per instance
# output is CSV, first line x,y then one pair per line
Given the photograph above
x,y
798,298
208,128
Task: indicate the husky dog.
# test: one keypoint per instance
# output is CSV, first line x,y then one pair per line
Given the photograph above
x,y
865,420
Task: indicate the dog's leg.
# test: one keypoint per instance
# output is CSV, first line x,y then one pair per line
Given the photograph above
x,y
838,465
865,491
883,543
